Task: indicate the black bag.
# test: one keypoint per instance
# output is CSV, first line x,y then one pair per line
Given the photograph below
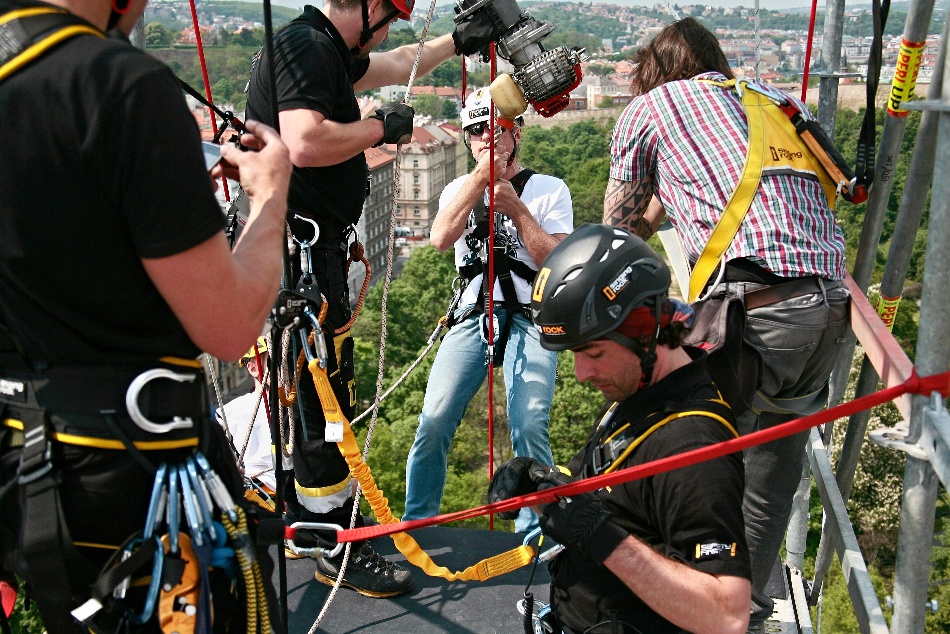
x,y
734,364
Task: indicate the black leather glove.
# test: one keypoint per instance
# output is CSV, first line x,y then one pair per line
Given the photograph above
x,y
397,122
581,522
518,476
475,33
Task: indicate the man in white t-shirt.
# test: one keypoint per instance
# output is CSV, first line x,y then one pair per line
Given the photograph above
x,y
248,413
533,213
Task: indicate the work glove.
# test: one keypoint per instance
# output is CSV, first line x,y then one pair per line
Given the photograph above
x,y
397,122
520,476
475,33
581,523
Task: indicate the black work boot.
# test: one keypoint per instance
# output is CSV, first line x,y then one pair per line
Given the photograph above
x,y
367,572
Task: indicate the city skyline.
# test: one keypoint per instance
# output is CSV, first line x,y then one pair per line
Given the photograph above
x,y
421,5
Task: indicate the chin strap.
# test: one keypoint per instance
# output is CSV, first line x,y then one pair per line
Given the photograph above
x,y
367,33
647,357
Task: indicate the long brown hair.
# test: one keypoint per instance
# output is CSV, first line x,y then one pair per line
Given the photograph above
x,y
681,50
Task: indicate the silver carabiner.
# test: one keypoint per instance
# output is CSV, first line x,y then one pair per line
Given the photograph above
x,y
306,263
132,401
319,343
316,550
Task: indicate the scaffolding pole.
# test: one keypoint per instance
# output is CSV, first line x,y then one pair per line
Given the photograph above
x,y
831,61
914,198
915,537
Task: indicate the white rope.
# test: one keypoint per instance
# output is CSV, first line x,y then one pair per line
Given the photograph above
x,y
397,166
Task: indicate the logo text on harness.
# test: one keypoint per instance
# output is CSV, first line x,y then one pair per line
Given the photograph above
x,y
711,550
11,388
612,289
779,153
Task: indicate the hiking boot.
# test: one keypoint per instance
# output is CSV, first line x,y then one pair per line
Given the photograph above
x,y
367,572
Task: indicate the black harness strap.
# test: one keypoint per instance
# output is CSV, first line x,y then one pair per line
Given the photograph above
x,y
47,546
33,35
505,265
609,444
864,164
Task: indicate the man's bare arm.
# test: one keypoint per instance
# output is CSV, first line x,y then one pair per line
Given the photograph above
x,y
627,205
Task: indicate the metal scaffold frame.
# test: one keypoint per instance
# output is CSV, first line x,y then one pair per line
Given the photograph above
x,y
925,433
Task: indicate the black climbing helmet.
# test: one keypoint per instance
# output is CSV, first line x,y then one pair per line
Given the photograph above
x,y
591,281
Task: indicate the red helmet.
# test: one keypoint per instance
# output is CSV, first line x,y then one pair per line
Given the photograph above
x,y
404,7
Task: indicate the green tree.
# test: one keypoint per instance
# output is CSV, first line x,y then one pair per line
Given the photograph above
x,y
449,109
428,105
157,36
606,102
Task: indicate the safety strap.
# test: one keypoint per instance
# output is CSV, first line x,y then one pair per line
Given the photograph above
x,y
740,200
47,546
770,130
27,34
605,455
486,569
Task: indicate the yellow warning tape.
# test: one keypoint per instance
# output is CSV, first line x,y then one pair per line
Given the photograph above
x,y
905,76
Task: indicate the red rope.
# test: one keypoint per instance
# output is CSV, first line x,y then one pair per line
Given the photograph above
x,y
490,311
463,80
204,75
811,35
915,384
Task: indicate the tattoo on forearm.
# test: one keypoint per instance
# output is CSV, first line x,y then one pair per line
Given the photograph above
x,y
625,203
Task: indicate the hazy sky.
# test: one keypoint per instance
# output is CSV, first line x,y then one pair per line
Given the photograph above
x,y
423,5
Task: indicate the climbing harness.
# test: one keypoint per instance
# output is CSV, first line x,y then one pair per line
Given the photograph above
x,y
27,34
770,130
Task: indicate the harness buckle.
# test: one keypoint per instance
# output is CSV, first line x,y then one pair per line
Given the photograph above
x,y
35,461
132,401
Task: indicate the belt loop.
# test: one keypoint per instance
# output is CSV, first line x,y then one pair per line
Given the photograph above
x,y
824,294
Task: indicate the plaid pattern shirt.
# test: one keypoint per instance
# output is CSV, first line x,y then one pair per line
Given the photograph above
x,y
691,138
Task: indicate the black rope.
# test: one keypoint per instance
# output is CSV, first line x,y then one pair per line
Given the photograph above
x,y
227,117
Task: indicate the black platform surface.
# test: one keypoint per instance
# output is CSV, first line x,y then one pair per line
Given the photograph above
x,y
434,605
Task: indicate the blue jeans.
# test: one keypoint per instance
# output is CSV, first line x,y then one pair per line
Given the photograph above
x,y
457,374
799,340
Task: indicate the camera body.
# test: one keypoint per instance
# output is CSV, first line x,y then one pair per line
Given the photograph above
x,y
545,77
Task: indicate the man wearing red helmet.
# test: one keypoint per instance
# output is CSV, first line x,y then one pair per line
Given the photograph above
x,y
322,58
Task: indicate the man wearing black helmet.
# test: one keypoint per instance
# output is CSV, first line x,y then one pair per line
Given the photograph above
x,y
322,58
662,554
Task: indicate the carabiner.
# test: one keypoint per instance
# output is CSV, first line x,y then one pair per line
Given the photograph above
x,y
306,263
319,342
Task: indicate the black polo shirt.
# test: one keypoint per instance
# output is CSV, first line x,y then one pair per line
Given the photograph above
x,y
692,515
316,71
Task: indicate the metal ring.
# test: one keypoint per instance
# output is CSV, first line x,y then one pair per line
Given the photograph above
x,y
132,401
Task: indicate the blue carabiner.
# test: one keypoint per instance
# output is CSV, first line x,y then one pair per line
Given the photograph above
x,y
151,598
174,507
204,498
156,504
191,511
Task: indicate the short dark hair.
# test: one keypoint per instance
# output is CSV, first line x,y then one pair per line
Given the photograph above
x,y
388,7
670,336
682,50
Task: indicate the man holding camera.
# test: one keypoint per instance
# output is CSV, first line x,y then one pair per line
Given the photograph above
x,y
322,58
662,554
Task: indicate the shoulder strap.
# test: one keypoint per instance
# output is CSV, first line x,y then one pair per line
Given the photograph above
x,y
738,206
608,455
27,34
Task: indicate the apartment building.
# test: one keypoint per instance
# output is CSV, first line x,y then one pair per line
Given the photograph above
x,y
429,163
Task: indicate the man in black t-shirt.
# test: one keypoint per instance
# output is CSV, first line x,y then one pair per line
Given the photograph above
x,y
322,58
665,553
113,269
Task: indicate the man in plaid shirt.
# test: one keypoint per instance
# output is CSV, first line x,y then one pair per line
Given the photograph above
x,y
678,151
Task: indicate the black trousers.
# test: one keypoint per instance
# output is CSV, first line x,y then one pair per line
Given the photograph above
x,y
321,490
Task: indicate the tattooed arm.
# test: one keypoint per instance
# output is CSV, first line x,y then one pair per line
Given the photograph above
x,y
631,205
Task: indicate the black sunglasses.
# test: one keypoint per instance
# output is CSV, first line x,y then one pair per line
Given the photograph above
x,y
477,129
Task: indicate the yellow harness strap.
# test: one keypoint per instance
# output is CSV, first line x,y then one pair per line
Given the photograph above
x,y
37,49
486,569
774,146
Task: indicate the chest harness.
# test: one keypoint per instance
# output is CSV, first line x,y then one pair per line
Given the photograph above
x,y
781,141
26,34
614,441
505,264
